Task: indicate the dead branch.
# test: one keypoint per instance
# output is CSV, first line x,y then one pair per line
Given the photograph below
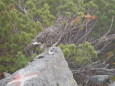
x,y
110,26
18,4
104,39
95,68
65,33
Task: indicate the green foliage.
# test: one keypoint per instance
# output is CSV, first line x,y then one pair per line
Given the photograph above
x,y
11,64
20,60
80,53
65,7
104,10
17,29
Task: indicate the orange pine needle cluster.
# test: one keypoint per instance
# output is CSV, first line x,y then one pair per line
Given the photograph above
x,y
89,18
74,21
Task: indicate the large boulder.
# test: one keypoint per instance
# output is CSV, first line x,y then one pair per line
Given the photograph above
x,y
47,69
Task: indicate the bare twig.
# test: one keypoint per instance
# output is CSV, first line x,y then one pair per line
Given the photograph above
x,y
110,26
19,6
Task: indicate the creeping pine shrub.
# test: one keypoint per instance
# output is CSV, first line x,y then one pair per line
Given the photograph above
x,y
21,60
79,54
11,64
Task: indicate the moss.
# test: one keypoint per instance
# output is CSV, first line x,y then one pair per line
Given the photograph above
x,y
113,78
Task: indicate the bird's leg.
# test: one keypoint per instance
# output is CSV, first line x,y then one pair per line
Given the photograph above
x,y
52,50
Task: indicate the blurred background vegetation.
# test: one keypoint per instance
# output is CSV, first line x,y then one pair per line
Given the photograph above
x,y
22,20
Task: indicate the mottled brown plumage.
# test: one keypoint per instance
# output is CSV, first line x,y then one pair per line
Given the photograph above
x,y
49,36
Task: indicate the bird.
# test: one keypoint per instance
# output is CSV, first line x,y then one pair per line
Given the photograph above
x,y
48,37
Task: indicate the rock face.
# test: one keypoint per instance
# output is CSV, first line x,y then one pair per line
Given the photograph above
x,y
47,69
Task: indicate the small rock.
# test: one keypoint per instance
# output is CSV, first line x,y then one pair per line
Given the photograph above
x,y
99,78
112,84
